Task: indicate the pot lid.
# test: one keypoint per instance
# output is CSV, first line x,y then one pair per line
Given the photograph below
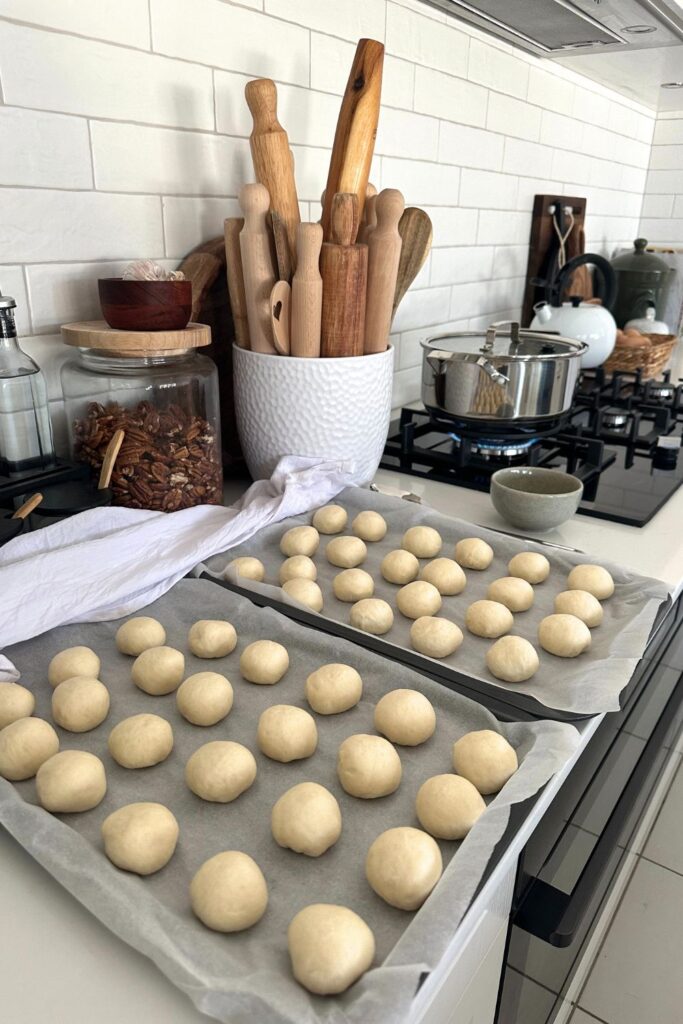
x,y
640,260
505,340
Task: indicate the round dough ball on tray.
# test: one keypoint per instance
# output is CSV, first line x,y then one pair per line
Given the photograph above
x,y
399,566
515,593
229,892
140,837
435,636
287,733
417,599
212,638
422,541
405,717
512,659
136,635
369,526
403,865
248,567
446,575
333,688
346,552
447,806
15,702
159,670
24,746
368,766
70,782
74,661
486,759
473,553
581,604
264,662
300,540
330,519
530,566
298,567
564,635
80,704
592,578
488,619
372,615
330,947
141,741
306,819
204,698
353,585
305,592
220,771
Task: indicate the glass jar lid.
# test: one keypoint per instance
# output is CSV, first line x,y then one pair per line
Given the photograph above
x,y
97,334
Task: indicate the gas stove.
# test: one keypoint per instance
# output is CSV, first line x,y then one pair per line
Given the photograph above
x,y
622,438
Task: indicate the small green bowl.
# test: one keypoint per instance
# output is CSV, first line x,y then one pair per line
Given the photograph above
x,y
533,498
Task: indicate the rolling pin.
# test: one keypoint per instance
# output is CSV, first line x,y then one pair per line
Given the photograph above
x,y
343,268
233,265
369,219
354,139
384,252
272,157
257,266
307,293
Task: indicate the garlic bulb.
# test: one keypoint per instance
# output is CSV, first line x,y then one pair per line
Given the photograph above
x,y
148,270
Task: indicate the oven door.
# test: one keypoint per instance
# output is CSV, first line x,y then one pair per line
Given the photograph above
x,y
570,864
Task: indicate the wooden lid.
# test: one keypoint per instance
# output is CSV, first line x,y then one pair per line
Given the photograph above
x,y
98,334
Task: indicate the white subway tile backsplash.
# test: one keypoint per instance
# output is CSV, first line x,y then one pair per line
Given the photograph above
x,y
666,158
421,40
665,181
658,206
668,231
422,183
401,133
38,70
406,388
561,132
12,283
492,67
496,228
422,308
567,166
488,190
453,225
527,158
511,116
591,107
125,21
631,179
529,188
510,261
470,147
677,208
190,221
346,18
452,99
668,132
398,83
550,92
44,150
459,265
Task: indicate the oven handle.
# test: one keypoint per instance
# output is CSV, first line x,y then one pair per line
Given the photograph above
x,y
555,916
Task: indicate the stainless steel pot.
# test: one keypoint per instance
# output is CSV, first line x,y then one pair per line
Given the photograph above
x,y
507,376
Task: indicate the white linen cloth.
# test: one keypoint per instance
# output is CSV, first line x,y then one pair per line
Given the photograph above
x,y
109,562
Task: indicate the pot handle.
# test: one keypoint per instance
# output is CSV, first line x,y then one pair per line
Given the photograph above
x,y
496,376
491,334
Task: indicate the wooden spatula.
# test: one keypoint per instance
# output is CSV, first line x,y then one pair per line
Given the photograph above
x,y
29,505
280,304
415,229
110,457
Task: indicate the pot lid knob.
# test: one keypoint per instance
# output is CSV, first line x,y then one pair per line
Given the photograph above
x,y
640,245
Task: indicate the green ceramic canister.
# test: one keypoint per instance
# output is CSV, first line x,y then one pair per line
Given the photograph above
x,y
642,278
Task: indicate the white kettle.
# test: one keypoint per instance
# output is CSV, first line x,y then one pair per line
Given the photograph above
x,y
582,321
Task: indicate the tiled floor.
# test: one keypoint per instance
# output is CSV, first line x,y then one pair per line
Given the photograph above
x,y
637,976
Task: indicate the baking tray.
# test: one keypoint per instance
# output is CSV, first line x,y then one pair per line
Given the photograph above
x,y
246,977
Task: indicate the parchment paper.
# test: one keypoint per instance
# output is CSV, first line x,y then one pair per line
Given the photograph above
x,y
589,684
246,977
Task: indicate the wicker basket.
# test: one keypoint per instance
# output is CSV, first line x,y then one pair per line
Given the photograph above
x,y
650,359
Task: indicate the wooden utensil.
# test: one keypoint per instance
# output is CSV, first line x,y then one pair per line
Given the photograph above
x,y
25,510
73,496
257,266
233,264
384,251
110,457
344,268
369,222
283,257
272,156
354,139
307,292
415,229
280,302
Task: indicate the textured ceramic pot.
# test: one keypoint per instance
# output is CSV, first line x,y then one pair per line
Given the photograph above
x,y
332,408
533,498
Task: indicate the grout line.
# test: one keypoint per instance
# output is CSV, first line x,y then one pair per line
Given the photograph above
x,y
149,23
29,311
664,867
92,157
592,1016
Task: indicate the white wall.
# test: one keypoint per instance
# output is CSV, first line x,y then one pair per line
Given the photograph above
x,y
125,130
662,219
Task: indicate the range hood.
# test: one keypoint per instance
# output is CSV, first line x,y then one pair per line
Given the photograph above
x,y
559,28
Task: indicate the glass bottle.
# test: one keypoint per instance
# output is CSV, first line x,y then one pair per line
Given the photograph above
x,y
25,429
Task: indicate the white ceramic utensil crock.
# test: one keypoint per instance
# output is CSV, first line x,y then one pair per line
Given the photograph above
x,y
332,408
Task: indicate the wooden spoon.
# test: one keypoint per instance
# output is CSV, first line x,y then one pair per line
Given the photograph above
x,y
25,510
110,457
415,229
280,304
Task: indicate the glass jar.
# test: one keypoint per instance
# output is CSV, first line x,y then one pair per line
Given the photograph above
x,y
166,402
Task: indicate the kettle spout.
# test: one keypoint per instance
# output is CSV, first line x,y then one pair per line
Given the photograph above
x,y
543,312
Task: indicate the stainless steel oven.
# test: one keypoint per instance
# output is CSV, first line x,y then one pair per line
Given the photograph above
x,y
568,868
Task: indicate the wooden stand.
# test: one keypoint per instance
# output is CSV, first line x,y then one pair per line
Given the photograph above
x,y
543,244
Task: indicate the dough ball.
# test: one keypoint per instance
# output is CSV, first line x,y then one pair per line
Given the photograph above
x,y
204,698
444,574
305,592
422,541
403,865
368,766
515,593
488,618
435,636
229,892
530,566
24,746
220,771
399,566
159,670
141,741
592,578
80,704
74,661
405,717
264,662
486,759
353,585
447,806
372,615
306,819
248,568
71,781
369,526
581,604
136,635
300,540
564,635
333,688
418,599
346,552
212,638
15,702
512,659
298,567
140,837
287,733
473,553
330,948
330,519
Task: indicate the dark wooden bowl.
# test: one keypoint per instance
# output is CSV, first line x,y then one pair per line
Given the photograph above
x,y
145,305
